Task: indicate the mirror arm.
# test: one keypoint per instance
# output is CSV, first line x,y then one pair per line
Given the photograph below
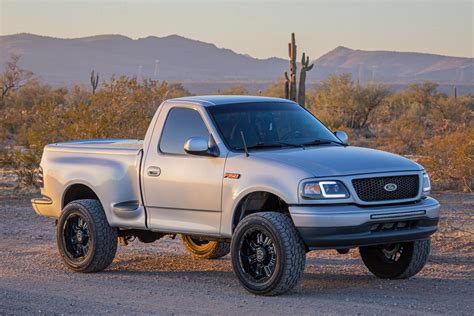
x,y
213,148
214,151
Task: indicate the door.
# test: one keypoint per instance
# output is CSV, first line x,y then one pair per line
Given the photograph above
x,y
182,191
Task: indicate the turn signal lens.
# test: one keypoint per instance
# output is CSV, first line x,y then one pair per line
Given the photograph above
x,y
312,188
426,184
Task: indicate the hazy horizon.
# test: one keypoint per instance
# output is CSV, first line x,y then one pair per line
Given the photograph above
x,y
199,40
259,29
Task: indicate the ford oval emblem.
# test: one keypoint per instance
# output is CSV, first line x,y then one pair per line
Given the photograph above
x,y
390,187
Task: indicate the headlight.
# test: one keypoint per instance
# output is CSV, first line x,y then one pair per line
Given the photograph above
x,y
324,190
426,184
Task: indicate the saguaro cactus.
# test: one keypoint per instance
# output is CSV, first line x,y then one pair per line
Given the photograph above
x,y
94,81
305,66
287,86
292,55
291,92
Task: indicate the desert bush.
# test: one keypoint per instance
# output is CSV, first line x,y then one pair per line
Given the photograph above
x,y
12,77
18,113
24,164
275,89
450,159
342,103
38,114
235,90
417,121
434,127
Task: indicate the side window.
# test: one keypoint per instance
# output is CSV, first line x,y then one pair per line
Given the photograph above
x,y
181,124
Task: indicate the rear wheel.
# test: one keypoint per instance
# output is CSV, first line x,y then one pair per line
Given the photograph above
x,y
85,240
268,255
205,249
396,261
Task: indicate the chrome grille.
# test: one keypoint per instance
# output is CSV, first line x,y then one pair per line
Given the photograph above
x,y
374,189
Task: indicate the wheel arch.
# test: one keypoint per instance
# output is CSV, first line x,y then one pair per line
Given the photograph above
x,y
258,201
78,191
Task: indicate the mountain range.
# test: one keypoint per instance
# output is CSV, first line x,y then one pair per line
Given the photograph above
x,y
66,61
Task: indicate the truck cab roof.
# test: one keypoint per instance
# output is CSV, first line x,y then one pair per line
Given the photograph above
x,y
213,100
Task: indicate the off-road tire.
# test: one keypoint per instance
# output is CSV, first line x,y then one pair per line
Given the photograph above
x,y
205,249
102,237
287,245
413,258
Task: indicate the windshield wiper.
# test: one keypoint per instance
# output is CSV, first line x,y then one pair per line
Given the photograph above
x,y
317,142
262,145
291,144
270,145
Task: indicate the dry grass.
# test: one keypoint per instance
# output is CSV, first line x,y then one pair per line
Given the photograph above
x,y
11,186
455,238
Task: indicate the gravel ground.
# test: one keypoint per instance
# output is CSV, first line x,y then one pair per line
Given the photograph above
x,y
161,278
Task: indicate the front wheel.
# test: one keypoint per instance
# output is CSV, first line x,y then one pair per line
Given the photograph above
x,y
268,255
86,242
396,261
205,249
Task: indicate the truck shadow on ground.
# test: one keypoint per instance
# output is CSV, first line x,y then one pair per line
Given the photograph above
x,y
319,277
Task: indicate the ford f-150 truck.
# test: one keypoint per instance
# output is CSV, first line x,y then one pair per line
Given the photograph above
x,y
261,178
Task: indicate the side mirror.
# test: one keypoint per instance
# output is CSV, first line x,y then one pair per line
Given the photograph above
x,y
198,146
342,136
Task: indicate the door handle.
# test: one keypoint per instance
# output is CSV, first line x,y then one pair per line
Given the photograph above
x,y
153,171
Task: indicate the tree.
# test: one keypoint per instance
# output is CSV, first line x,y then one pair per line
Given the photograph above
x,y
12,77
368,98
343,103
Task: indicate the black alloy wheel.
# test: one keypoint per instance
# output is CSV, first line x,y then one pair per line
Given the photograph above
x,y
268,254
257,255
76,237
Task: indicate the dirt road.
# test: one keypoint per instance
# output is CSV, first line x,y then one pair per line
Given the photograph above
x,y
161,278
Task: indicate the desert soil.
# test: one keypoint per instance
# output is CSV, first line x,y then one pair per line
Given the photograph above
x,y
161,278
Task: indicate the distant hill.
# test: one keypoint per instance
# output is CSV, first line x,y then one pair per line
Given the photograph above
x,y
394,67
62,61
175,58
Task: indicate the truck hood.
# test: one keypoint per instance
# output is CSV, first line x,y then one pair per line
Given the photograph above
x,y
324,161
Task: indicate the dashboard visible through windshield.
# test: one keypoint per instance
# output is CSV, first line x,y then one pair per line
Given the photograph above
x,y
269,124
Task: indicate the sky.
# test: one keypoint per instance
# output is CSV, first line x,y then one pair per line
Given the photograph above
x,y
259,28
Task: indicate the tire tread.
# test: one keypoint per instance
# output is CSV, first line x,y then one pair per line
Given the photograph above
x,y
294,254
414,263
106,237
420,256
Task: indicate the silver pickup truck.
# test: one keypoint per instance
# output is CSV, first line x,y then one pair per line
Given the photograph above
x,y
261,178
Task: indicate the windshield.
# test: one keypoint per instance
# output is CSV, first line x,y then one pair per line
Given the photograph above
x,y
269,124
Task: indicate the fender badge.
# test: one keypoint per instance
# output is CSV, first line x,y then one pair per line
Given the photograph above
x,y
232,175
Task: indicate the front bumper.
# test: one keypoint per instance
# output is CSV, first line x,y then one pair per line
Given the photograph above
x,y
348,226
